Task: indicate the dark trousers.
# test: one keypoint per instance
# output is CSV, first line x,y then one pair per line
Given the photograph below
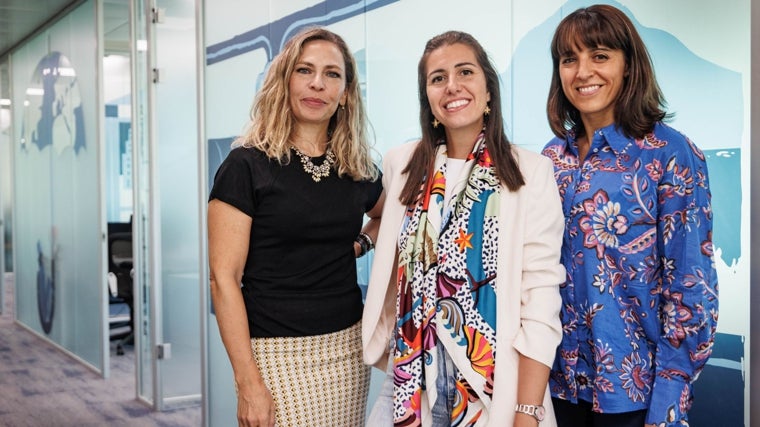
x,y
580,415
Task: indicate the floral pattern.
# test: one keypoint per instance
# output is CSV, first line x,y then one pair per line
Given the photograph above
x,y
640,304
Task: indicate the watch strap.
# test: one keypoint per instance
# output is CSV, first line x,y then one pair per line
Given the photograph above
x,y
535,411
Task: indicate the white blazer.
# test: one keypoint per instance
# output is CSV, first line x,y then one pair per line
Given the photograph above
x,y
529,272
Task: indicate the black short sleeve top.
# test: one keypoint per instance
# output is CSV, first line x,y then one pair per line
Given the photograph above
x,y
300,274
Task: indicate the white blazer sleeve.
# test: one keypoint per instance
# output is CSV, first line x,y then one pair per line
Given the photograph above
x,y
542,273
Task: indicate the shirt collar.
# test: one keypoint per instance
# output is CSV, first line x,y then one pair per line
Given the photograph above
x,y
610,134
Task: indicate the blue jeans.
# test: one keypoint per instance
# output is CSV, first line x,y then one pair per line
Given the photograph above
x,y
445,385
382,411
381,414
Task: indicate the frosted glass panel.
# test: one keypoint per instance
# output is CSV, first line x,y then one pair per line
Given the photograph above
x,y
60,284
144,343
5,175
177,170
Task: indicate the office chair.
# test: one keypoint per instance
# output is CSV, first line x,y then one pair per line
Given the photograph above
x,y
120,270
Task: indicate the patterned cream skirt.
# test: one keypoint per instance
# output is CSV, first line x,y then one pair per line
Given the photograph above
x,y
316,381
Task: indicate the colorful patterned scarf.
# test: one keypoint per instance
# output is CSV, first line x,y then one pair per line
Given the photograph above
x,y
447,295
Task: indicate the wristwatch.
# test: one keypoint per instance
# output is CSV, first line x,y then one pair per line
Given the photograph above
x,y
535,411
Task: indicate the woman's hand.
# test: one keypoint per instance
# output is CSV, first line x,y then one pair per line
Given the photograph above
x,y
255,406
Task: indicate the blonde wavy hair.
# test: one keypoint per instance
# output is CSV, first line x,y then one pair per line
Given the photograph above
x,y
272,119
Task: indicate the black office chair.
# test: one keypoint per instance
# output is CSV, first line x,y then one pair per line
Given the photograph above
x,y
120,269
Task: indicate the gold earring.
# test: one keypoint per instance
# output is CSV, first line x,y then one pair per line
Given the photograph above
x,y
436,123
487,110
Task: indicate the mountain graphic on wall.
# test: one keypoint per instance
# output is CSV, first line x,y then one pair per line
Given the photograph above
x,y
705,98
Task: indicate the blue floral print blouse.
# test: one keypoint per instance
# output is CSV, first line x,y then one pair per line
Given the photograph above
x,y
640,305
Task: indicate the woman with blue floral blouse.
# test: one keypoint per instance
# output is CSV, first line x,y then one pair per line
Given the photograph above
x,y
640,305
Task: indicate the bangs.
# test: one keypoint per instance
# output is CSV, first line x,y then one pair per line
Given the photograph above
x,y
588,30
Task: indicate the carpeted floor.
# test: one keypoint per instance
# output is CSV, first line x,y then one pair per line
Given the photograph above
x,y
42,387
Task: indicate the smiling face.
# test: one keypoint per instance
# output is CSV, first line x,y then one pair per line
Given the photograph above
x,y
456,90
592,79
317,83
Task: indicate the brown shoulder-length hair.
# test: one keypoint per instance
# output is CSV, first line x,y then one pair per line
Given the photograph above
x,y
272,116
421,162
640,103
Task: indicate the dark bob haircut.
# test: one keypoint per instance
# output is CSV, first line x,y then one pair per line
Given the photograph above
x,y
640,103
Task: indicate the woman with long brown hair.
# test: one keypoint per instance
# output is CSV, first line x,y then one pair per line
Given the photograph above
x,y
462,306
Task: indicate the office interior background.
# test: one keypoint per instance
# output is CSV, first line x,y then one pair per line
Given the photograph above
x,y
115,114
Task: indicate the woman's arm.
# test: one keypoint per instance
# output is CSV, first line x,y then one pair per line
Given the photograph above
x,y
531,386
542,273
688,286
373,225
228,234
540,300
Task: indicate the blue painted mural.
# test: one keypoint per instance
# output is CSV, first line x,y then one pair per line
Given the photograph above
x,y
706,97
272,37
712,116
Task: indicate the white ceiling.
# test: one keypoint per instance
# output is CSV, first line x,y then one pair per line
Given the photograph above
x,y
21,18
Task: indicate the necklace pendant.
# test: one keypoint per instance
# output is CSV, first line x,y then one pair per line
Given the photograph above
x,y
316,172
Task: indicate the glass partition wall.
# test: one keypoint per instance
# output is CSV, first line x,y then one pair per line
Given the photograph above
x,y
5,174
177,176
58,227
166,200
141,155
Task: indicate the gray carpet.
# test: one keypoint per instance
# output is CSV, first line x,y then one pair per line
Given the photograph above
x,y
42,387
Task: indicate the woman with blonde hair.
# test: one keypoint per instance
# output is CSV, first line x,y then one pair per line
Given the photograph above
x,y
284,286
